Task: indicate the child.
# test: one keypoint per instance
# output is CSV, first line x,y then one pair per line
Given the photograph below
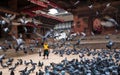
x,y
40,51
46,52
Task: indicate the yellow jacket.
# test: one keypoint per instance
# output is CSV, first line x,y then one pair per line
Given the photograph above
x,y
45,46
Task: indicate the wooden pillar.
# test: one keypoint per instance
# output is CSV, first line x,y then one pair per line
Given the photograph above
x,y
14,31
90,22
12,4
0,32
90,25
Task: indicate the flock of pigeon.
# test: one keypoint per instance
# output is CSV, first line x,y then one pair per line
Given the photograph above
x,y
90,61
8,20
11,65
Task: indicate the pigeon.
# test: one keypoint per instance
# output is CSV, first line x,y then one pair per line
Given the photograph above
x,y
26,63
32,69
62,72
40,64
46,35
83,35
25,29
8,19
27,72
12,72
17,63
20,61
24,20
109,22
107,37
107,5
40,72
114,72
110,44
78,42
2,57
6,29
10,60
13,67
0,72
19,41
76,2
24,70
2,22
90,6
32,63
4,65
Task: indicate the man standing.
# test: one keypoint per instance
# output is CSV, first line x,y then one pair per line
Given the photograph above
x,y
46,52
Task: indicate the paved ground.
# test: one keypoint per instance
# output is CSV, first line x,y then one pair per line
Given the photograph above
x,y
36,58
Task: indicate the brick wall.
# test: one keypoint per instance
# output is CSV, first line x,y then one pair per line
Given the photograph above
x,y
80,25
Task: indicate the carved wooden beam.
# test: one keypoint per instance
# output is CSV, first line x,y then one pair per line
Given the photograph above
x,y
40,3
8,11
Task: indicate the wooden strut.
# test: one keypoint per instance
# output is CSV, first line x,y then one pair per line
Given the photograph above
x,y
8,11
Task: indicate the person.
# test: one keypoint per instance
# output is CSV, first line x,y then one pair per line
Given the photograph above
x,y
40,51
46,52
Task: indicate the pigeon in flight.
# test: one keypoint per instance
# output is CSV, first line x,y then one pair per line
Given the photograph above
x,y
24,20
8,22
46,35
90,6
109,22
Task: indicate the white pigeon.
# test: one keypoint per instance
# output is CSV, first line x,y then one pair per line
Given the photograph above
x,y
97,13
90,6
107,5
110,22
76,2
9,19
83,34
107,24
2,22
23,20
19,40
93,34
6,29
25,29
0,48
